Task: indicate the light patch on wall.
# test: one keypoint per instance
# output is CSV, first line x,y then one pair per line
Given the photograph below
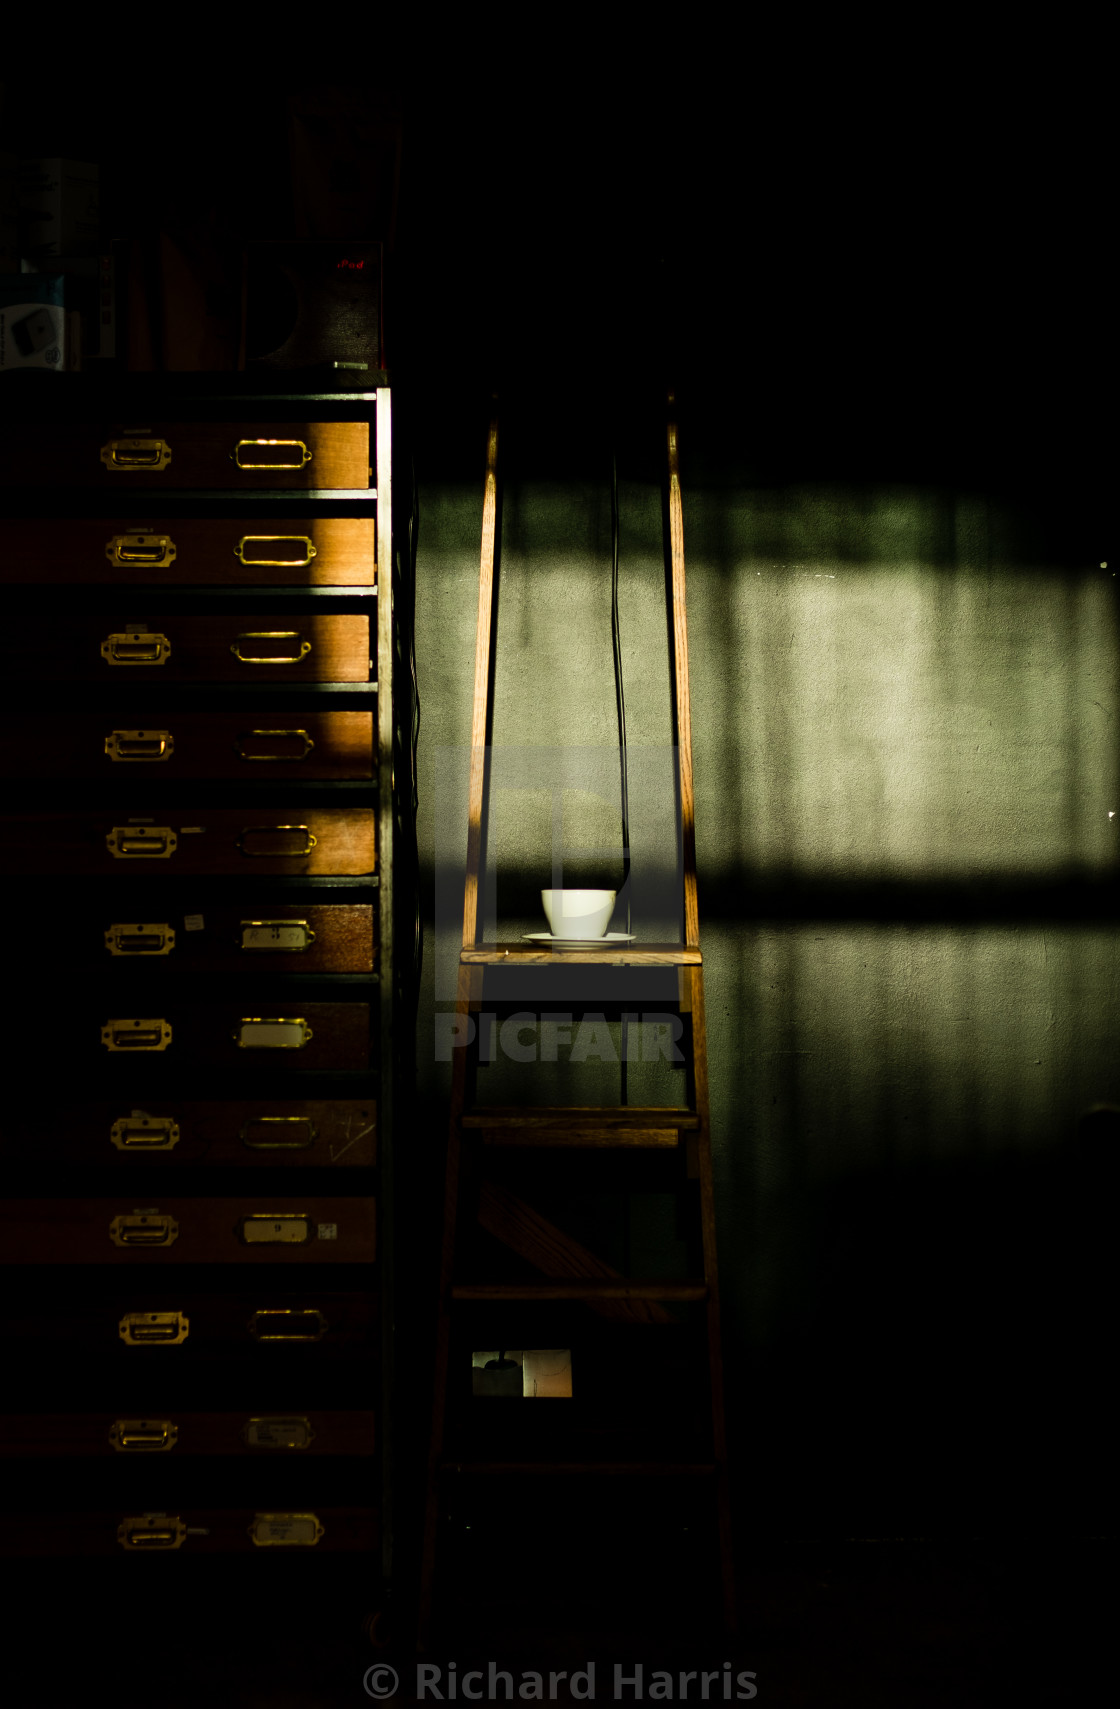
x,y
912,721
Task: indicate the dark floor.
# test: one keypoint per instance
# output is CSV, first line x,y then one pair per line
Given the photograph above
x,y
902,1624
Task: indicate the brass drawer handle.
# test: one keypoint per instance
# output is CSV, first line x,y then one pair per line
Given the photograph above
x,y
136,453
267,1228
135,647
285,1529
149,551
140,745
282,1324
153,1328
289,936
258,1032
143,1435
144,1228
151,1531
303,541
131,1034
286,1124
261,832
277,1433
140,1132
141,842
255,745
299,456
140,940
292,658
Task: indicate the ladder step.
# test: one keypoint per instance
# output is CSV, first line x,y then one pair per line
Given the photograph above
x,y
625,955
573,1468
591,1289
585,1118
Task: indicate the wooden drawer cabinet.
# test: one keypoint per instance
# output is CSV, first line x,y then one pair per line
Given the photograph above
x,y
162,456
204,780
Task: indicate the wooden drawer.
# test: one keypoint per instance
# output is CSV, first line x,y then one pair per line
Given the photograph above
x,y
203,1531
261,936
242,1231
111,1435
160,456
262,1132
149,1340
318,746
166,1036
251,649
127,551
280,841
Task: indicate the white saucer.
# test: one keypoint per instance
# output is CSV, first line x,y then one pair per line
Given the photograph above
x,y
610,940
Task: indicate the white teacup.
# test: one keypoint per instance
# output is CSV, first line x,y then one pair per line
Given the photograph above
x,y
578,913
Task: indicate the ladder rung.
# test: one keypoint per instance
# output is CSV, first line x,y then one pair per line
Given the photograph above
x,y
537,955
585,1116
566,1468
597,1289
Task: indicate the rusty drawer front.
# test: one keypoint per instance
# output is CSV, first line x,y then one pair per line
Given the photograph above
x,y
207,1532
113,1436
162,456
263,841
246,648
271,1230
261,1132
316,746
260,937
127,551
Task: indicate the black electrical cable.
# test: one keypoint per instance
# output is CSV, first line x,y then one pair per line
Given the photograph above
x,y
413,538
619,695
621,701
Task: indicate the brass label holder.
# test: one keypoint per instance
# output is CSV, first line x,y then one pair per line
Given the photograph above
x,y
266,1228
258,1032
276,935
302,647
282,1125
304,541
259,834
249,745
298,454
285,1530
284,1324
277,1433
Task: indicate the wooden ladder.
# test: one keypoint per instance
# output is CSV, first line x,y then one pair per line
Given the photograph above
x,y
481,1135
